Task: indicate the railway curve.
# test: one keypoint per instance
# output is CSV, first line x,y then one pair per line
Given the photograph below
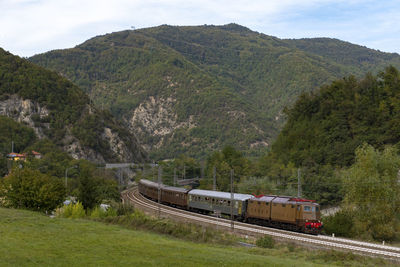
x,y
319,241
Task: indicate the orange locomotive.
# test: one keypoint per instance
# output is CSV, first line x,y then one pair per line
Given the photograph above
x,y
285,212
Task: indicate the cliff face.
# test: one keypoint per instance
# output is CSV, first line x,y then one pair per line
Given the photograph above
x,y
25,111
156,118
57,109
35,116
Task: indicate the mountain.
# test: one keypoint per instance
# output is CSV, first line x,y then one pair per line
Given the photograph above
x,y
325,127
55,108
199,88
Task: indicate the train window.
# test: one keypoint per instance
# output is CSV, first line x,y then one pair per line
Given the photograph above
x,y
258,202
317,209
298,207
313,209
266,203
292,206
307,208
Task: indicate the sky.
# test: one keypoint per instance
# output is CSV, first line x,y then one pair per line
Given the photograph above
x,y
29,27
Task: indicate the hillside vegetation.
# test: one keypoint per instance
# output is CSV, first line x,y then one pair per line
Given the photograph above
x,y
57,109
196,89
326,126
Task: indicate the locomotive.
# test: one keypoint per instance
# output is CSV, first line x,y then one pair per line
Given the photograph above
x,y
285,212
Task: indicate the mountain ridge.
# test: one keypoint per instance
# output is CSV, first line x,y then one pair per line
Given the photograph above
x,y
207,86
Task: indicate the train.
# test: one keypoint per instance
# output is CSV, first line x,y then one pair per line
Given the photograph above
x,y
284,212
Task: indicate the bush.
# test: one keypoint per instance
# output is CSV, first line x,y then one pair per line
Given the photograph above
x,y
30,189
71,211
125,209
265,242
341,224
99,212
78,211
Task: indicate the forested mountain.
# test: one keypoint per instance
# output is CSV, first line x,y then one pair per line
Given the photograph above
x,y
193,89
325,127
54,108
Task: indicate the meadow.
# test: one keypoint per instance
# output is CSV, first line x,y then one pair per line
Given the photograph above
x,y
32,239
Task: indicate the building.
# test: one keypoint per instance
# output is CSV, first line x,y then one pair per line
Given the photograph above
x,y
16,156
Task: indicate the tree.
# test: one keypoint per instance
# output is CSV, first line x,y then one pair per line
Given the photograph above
x,y
94,187
224,161
372,191
31,189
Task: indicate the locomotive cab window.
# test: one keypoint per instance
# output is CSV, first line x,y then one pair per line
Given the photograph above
x,y
307,208
317,209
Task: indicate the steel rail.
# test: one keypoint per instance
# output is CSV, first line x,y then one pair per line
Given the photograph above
x,y
318,241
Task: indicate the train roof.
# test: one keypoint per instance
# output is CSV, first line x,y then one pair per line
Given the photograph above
x,y
150,183
217,194
263,198
176,189
282,199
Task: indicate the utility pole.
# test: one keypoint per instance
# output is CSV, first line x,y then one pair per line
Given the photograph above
x,y
298,183
66,176
120,178
174,176
214,178
202,170
153,171
12,146
398,176
159,190
232,199
184,171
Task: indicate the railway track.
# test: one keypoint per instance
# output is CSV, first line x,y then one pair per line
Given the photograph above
x,y
320,241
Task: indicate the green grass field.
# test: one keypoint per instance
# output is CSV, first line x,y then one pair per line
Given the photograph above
x,y
32,239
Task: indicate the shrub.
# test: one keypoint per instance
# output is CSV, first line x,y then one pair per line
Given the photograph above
x,y
124,209
71,211
265,242
78,211
341,223
33,190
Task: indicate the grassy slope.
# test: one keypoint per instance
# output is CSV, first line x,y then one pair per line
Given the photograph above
x,y
29,238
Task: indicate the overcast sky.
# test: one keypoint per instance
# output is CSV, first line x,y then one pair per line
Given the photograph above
x,y
29,27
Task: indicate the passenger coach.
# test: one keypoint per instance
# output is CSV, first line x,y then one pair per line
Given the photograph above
x,y
218,202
